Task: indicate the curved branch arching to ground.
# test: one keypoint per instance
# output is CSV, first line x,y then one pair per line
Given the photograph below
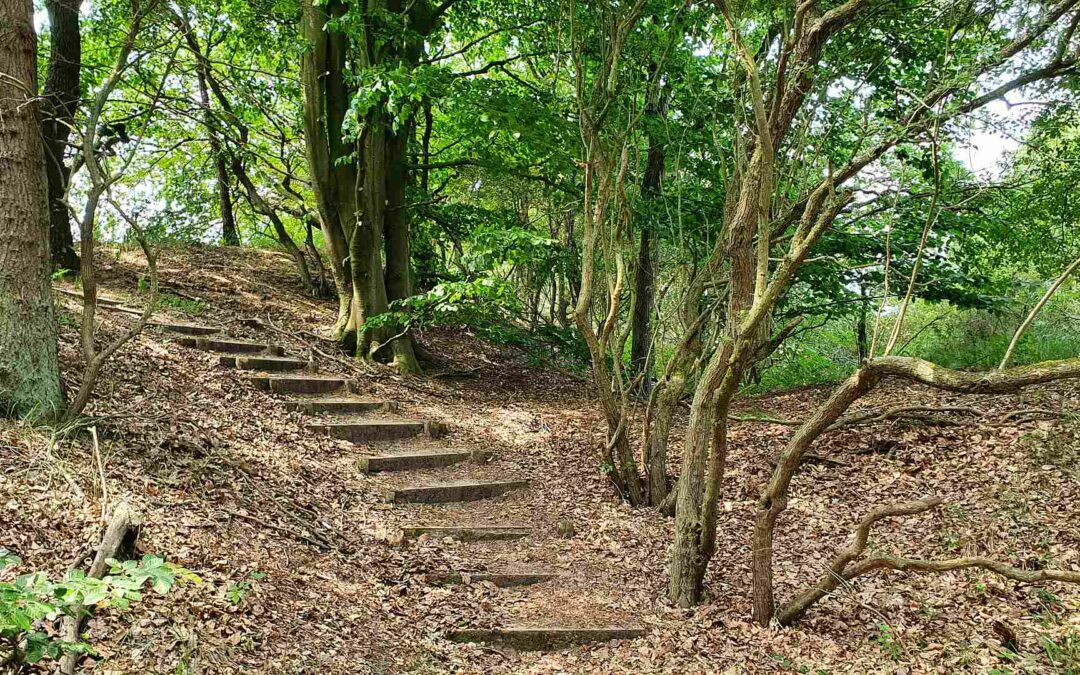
x,y
773,499
846,565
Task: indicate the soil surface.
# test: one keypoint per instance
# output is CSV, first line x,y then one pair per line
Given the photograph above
x,y
305,570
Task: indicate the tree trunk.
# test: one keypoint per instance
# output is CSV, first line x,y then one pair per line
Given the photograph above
x,y
29,366
641,322
367,241
261,206
61,99
689,560
310,224
861,341
230,236
396,240
664,401
326,99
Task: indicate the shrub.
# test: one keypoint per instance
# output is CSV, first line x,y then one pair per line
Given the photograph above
x,y
32,599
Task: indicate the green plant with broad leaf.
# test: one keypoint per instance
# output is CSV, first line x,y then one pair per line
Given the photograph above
x,y
33,599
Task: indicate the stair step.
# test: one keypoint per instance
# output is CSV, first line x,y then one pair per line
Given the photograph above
x,y
183,328
500,579
364,431
543,639
422,459
267,363
285,384
101,299
468,532
134,311
231,346
456,491
340,406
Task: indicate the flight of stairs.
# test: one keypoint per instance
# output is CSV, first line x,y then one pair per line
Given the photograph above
x,y
337,409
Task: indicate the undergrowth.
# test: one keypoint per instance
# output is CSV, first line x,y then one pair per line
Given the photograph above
x,y
948,335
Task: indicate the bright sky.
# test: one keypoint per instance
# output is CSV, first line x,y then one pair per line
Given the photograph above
x,y
988,144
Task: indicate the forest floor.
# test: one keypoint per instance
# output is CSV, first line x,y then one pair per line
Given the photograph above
x,y
303,571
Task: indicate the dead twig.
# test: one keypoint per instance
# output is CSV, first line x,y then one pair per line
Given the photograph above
x,y
101,475
317,542
120,535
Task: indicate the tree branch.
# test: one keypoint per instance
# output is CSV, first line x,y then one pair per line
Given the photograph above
x,y
844,566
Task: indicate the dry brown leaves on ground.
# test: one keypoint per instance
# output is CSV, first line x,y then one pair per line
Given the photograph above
x,y
304,573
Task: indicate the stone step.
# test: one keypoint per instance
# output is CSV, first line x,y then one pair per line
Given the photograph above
x,y
101,299
286,384
366,431
543,639
182,328
455,491
232,346
124,309
340,406
468,532
267,363
500,579
420,459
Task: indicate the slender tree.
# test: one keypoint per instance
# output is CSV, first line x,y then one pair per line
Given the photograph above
x,y
230,235
61,99
645,270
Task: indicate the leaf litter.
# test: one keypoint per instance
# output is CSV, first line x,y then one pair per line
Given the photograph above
x,y
306,570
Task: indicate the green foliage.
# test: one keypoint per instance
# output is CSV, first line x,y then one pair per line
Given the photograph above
x,y
33,598
1063,653
490,307
183,304
816,357
547,343
954,337
476,303
237,591
885,637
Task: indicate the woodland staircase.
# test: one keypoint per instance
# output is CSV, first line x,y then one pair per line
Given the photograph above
x,y
338,412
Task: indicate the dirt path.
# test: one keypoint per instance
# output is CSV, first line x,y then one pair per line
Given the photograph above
x,y
308,568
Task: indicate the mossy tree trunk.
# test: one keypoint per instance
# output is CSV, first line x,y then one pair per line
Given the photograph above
x,y
334,181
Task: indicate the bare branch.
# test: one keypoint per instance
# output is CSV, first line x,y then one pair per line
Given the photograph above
x,y
846,566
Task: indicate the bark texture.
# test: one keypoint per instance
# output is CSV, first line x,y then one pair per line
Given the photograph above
x,y
61,99
334,182
117,543
29,366
645,271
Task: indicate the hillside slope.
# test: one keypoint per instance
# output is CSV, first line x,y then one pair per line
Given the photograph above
x,y
306,569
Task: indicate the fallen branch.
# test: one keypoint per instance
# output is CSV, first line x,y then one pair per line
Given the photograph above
x,y
995,566
118,542
920,412
314,539
923,413
845,566
1014,414
773,501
